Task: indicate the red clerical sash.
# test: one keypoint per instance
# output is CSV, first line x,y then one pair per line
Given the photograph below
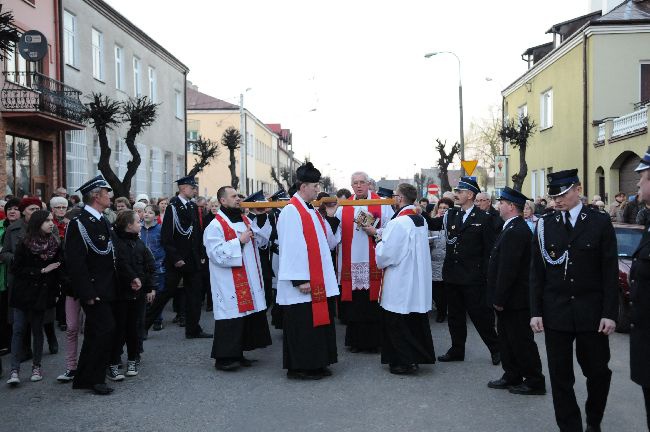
x,y
407,212
319,308
239,277
346,248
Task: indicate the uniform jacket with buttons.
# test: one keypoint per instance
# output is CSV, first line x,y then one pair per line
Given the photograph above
x,y
640,316
509,268
467,256
575,295
177,246
91,275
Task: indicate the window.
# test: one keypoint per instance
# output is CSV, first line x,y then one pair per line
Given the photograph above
x,y
179,104
70,38
76,159
119,67
167,182
153,94
98,54
137,87
546,109
522,111
157,176
142,176
645,83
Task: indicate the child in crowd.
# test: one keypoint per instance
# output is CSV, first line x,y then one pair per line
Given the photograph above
x,y
150,235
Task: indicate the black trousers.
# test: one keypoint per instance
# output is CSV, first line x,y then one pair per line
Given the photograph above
x,y
519,355
439,294
592,352
193,299
406,339
95,352
234,336
646,398
125,313
469,299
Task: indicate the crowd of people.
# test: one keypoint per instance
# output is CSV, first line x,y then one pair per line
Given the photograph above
x,y
378,262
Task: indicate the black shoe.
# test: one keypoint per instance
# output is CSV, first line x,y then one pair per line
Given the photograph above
x,y
199,335
102,389
451,357
502,384
496,358
157,326
303,375
66,377
246,362
372,351
176,318
591,428
525,389
325,372
226,367
402,369
441,317
354,350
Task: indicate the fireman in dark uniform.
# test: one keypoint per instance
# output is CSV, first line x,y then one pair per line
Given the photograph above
x,y
574,298
640,298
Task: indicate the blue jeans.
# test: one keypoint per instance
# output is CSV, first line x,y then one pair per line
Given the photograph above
x,y
21,318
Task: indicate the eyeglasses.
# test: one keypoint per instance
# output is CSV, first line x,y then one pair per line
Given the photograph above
x,y
60,207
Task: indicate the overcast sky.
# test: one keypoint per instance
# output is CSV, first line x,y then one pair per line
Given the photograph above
x,y
379,103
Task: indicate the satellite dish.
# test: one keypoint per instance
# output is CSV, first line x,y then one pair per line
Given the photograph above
x,y
32,46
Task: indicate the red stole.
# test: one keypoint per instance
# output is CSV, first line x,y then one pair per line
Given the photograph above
x,y
319,308
347,222
407,212
239,276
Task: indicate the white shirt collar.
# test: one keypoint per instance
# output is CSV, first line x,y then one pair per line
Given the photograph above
x,y
467,212
505,224
574,212
183,200
93,212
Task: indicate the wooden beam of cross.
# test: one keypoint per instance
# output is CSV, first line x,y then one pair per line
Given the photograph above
x,y
317,203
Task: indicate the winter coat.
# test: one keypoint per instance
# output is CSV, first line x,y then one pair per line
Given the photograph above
x,y
152,239
33,290
134,260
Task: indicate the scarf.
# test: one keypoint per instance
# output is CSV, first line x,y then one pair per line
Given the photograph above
x,y
46,247
234,214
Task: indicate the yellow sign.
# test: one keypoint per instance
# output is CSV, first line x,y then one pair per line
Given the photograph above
x,y
469,166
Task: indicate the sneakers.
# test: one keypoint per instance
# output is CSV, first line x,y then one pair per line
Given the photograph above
x,y
37,374
113,373
13,378
67,376
131,368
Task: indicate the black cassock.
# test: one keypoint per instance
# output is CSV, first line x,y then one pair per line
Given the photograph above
x,y
235,335
91,268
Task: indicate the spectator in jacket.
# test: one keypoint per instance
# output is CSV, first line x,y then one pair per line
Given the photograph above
x,y
139,207
59,207
631,210
35,266
12,214
438,245
136,282
616,209
150,235
529,215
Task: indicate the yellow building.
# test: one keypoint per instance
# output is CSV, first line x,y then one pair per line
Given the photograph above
x,y
588,92
209,117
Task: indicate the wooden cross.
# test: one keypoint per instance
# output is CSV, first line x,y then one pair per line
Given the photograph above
x,y
317,203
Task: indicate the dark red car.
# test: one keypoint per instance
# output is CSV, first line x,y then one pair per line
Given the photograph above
x,y
628,238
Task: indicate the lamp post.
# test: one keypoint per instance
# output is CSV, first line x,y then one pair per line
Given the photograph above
x,y
460,103
243,187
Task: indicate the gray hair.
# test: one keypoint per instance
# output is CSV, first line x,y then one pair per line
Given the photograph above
x,y
90,196
484,195
139,206
57,201
360,173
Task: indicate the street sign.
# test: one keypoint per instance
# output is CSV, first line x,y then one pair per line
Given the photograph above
x,y
32,45
500,171
433,189
469,166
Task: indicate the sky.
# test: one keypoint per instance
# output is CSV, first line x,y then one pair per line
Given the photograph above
x,y
349,78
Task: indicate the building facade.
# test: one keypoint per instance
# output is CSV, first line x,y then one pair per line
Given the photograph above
x,y
105,53
589,97
208,117
37,109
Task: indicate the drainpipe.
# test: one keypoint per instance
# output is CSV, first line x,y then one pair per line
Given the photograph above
x,y
585,113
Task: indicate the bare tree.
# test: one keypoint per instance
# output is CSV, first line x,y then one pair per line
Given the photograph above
x,y
420,181
231,139
484,139
8,33
517,132
205,150
103,113
288,176
275,178
444,161
327,184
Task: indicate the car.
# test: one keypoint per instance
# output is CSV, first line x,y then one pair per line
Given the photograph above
x,y
628,237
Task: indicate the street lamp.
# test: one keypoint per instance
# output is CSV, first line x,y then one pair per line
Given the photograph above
x,y
242,147
460,103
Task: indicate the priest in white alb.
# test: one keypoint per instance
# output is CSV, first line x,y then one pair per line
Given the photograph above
x,y
359,277
306,282
403,253
231,242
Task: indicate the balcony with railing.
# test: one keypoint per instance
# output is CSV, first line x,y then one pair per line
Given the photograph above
x,y
624,127
35,97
